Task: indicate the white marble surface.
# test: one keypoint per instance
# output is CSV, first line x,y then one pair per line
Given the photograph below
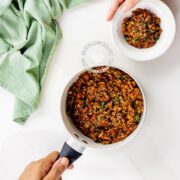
x,y
153,155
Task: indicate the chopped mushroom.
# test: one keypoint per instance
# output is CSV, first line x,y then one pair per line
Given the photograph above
x,y
142,29
108,112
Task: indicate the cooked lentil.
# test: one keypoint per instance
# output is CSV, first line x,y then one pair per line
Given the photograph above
x,y
142,29
106,107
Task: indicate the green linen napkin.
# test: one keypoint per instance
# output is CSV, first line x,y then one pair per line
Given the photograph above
x,y
29,34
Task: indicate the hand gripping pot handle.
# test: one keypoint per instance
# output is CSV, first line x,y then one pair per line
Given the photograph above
x,y
71,150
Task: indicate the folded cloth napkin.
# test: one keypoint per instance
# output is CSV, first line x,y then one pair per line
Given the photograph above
x,y
29,34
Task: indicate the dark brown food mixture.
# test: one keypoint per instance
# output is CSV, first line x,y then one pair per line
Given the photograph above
x,y
142,29
107,106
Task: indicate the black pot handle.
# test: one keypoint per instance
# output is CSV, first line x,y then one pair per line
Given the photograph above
x,y
71,150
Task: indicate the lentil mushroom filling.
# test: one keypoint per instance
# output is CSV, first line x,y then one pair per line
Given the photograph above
x,y
106,107
142,29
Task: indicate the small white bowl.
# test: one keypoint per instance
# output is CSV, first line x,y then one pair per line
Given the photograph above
x,y
168,26
83,140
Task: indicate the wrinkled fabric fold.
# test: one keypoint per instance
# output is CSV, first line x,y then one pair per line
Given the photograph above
x,y
29,34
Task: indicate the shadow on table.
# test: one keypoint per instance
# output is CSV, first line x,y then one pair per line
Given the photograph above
x,y
168,62
21,148
148,158
173,5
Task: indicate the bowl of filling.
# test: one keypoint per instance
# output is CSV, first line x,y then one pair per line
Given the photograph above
x,y
145,32
102,108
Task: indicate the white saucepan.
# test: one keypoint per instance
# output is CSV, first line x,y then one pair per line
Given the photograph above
x,y
73,148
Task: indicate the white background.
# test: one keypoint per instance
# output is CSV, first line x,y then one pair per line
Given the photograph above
x,y
155,152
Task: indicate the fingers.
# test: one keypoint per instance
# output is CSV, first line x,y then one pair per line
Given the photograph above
x,y
57,169
128,4
27,171
115,5
48,168
47,162
71,167
52,157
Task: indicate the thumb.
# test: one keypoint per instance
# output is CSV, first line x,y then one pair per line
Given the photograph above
x,y
57,169
128,4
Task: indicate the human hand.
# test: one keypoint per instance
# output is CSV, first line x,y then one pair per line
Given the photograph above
x,y
126,5
48,168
